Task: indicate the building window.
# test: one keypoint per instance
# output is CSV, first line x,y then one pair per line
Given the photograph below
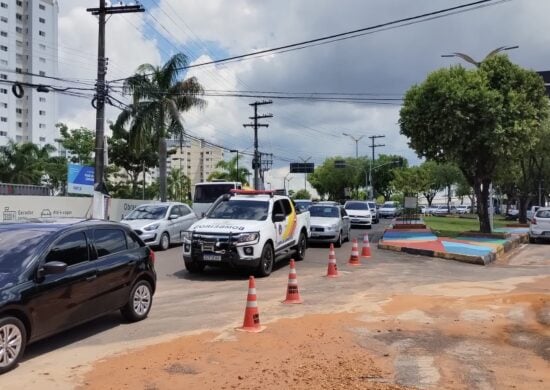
x,y
42,46
42,20
18,16
42,139
42,59
18,138
42,7
3,5
19,29
19,110
19,3
18,70
42,112
42,126
3,90
42,100
3,19
3,133
4,105
3,48
19,124
42,33
3,119
3,33
3,76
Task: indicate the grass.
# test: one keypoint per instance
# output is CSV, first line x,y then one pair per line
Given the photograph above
x,y
452,227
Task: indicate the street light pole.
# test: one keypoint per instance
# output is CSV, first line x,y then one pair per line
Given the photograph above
x,y
470,60
356,143
305,174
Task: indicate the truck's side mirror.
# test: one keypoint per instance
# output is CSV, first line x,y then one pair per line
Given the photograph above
x,y
279,217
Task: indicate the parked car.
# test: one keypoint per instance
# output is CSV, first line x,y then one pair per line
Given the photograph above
x,y
444,210
161,224
56,274
463,209
374,211
540,225
531,212
328,203
329,224
389,209
359,213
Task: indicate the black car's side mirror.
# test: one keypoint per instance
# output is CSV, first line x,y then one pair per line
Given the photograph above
x,y
52,267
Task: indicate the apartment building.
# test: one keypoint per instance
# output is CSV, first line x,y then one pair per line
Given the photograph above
x,y
28,50
196,159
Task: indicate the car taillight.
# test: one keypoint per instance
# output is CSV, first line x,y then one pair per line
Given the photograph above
x,y
534,221
151,256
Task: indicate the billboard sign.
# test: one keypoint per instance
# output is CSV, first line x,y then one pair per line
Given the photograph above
x,y
80,179
301,167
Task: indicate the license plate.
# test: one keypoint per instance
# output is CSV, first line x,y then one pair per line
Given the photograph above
x,y
212,257
356,220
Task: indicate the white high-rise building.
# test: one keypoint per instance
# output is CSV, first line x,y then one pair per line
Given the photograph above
x,y
28,50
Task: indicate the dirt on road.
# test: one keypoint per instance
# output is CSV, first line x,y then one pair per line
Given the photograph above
x,y
453,336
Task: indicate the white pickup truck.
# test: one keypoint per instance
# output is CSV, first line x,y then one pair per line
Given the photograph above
x,y
247,229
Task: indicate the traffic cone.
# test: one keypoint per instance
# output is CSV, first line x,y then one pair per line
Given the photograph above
x,y
354,258
292,293
251,315
332,270
365,250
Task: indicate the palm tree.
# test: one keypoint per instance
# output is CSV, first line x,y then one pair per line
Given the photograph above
x,y
159,97
230,172
179,185
24,163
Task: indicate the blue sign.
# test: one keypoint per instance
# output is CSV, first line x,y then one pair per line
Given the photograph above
x,y
80,179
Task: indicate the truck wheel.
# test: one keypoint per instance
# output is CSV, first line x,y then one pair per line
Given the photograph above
x,y
194,267
338,242
266,261
13,337
301,247
164,242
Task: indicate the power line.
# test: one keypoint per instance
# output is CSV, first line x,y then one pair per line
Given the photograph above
x,y
348,34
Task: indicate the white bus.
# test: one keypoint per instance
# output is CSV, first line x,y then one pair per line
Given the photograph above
x,y
206,194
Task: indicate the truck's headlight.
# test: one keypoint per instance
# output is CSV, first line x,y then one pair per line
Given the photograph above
x,y
248,238
187,236
154,226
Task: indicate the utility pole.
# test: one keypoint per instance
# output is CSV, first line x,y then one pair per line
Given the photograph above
x,y
99,99
255,125
373,146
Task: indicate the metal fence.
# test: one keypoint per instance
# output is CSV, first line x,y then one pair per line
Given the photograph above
x,y
23,189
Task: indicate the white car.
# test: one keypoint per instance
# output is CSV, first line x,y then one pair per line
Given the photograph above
x,y
359,213
329,224
540,225
389,209
463,209
161,224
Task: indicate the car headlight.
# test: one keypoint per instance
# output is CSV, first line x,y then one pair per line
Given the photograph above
x,y
187,236
249,238
334,226
154,226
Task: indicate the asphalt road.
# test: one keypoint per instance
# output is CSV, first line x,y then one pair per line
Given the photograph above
x,y
215,300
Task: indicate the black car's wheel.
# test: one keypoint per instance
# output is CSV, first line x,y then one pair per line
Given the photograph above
x,y
301,247
139,303
338,242
266,262
164,242
13,338
532,240
194,267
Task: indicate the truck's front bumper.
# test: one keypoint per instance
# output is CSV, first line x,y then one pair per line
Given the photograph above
x,y
234,257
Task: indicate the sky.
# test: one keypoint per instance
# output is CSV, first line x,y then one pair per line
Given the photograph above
x,y
383,64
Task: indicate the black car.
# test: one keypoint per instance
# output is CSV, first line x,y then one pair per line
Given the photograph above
x,y
60,273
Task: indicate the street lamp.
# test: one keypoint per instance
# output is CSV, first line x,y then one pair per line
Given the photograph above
x,y
285,181
470,60
356,143
236,151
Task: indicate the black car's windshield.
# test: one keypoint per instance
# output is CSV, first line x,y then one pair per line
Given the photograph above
x,y
17,248
357,206
327,212
148,212
252,210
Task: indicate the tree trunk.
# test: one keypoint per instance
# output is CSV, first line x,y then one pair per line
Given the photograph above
x,y
481,188
162,169
449,199
523,202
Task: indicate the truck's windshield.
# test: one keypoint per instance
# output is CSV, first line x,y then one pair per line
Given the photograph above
x,y
208,193
240,209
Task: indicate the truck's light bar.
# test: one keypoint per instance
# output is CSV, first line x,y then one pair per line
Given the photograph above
x,y
251,192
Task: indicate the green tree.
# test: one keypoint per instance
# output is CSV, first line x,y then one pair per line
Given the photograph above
x,y
330,181
179,186
475,119
24,163
383,173
80,143
301,194
230,172
159,98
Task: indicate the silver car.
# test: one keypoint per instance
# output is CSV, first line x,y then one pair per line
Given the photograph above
x,y
161,224
329,224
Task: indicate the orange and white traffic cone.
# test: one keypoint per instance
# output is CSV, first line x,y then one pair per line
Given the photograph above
x,y
292,293
332,270
365,250
251,315
354,258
